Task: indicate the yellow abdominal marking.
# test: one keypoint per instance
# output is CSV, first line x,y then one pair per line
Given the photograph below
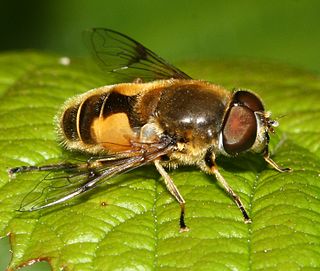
x,y
113,133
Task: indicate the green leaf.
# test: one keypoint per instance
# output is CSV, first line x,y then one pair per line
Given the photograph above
x,y
132,222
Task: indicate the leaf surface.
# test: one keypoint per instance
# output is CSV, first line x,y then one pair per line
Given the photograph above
x,y
132,221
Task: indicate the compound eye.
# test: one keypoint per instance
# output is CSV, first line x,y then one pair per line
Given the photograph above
x,y
240,130
249,100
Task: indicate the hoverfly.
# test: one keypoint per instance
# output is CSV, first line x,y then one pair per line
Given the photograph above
x,y
157,114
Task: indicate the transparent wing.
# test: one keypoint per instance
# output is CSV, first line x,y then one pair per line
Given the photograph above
x,y
128,59
55,187
66,181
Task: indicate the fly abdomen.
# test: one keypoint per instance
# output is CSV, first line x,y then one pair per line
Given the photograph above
x,y
69,123
89,110
77,119
102,121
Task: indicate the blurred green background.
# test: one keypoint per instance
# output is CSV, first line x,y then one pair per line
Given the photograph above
x,y
287,30
284,31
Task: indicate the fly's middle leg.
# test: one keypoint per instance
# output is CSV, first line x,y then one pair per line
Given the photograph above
x,y
175,192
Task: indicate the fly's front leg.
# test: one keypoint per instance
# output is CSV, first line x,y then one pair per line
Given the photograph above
x,y
212,167
272,163
175,192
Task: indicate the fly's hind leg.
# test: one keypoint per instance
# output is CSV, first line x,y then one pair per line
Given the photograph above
x,y
72,167
63,166
212,167
175,192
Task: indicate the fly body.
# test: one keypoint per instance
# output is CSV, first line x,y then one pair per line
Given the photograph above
x,y
155,114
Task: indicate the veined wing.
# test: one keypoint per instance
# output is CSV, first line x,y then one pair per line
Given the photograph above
x,y
66,181
127,59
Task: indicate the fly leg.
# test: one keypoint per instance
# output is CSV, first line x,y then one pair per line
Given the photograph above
x,y
272,163
62,166
72,167
175,192
213,169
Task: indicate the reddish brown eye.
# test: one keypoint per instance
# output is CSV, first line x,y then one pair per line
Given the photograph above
x,y
248,99
240,130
